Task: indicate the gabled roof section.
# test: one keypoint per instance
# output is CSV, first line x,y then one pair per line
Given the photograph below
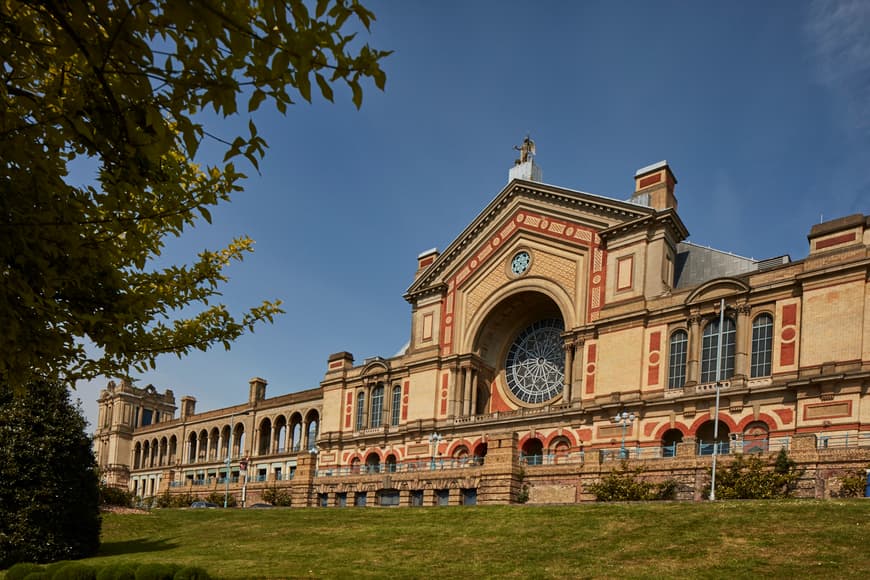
x,y
668,218
570,199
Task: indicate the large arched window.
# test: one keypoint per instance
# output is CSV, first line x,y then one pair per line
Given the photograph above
x,y
677,359
396,409
709,350
762,345
360,411
377,406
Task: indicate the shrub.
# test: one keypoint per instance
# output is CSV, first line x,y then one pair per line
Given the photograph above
x,y
21,570
156,571
50,493
218,498
75,571
852,484
117,572
276,496
192,573
625,484
115,496
753,478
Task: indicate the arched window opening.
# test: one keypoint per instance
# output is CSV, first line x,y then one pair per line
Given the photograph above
x,y
297,437
373,463
311,434
677,354
137,456
225,442
533,451
762,345
360,411
354,465
163,451
756,437
280,435
239,440
173,449
191,448
265,436
377,406
396,408
213,443
706,439
709,350
390,463
202,445
479,453
670,438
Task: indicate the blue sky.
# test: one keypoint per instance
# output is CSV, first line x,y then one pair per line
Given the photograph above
x,y
761,108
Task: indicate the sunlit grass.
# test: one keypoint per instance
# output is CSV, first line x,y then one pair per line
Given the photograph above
x,y
751,539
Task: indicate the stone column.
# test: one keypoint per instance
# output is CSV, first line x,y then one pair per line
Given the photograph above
x,y
742,341
472,402
568,345
693,361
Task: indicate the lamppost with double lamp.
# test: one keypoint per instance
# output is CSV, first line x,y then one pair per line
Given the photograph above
x,y
434,440
625,419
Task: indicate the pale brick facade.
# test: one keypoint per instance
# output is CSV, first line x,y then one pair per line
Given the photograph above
x,y
552,312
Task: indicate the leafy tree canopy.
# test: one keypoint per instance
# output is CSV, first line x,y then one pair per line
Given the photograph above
x,y
121,83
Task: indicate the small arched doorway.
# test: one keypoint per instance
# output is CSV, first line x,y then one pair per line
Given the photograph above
x,y
756,437
707,442
532,452
670,439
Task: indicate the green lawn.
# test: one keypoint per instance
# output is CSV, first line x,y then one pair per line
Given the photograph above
x,y
747,539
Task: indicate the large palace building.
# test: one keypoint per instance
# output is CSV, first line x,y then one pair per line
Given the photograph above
x,y
559,333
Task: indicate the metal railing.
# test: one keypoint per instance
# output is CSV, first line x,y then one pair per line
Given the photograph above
x,y
576,457
403,467
843,441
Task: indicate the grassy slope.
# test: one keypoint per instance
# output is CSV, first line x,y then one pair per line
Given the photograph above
x,y
778,539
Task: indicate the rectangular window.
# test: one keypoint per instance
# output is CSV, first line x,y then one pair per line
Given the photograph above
x,y
469,496
341,499
709,350
359,500
416,498
396,410
147,414
323,499
389,497
678,350
442,497
377,406
762,346
360,411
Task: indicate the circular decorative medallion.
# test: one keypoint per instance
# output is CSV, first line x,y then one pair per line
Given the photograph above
x,y
520,263
535,365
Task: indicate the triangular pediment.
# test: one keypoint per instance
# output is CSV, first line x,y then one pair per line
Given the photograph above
x,y
568,216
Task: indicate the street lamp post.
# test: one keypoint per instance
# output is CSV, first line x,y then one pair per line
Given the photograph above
x,y
625,419
434,440
228,461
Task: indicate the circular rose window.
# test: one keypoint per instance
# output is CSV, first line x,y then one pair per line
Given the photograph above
x,y
535,365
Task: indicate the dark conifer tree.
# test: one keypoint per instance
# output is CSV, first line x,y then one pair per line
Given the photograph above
x,y
49,488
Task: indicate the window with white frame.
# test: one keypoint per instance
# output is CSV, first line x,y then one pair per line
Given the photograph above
x,y
710,350
677,352
762,345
